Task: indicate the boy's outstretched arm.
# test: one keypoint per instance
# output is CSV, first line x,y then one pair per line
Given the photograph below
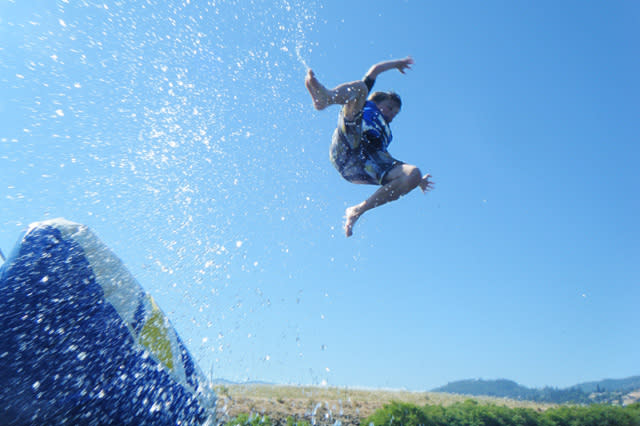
x,y
399,64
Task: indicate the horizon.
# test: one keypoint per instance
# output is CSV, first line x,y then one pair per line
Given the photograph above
x,y
221,380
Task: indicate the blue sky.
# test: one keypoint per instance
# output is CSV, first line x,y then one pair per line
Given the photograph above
x,y
182,134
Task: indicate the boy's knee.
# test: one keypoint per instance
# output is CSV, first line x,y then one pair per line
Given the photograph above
x,y
414,176
359,91
357,98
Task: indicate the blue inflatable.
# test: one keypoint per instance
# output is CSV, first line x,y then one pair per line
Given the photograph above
x,y
81,343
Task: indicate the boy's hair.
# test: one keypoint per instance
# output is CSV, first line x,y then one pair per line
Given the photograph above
x,y
377,97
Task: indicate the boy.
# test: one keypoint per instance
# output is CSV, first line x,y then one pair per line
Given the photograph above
x,y
359,145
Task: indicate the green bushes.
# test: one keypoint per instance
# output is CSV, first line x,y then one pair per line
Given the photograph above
x,y
257,420
246,420
470,413
399,413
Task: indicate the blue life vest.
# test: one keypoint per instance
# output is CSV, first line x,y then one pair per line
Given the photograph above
x,y
376,133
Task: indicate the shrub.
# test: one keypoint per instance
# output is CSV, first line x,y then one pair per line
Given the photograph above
x,y
291,421
470,413
398,413
246,420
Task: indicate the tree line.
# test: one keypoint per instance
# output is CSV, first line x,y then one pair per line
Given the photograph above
x,y
587,393
470,413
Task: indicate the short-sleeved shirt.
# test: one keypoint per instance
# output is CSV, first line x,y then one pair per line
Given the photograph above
x,y
359,147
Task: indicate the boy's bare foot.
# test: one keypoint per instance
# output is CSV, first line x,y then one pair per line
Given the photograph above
x,y
352,214
318,92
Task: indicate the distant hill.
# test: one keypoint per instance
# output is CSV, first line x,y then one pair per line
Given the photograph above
x,y
613,385
501,388
604,391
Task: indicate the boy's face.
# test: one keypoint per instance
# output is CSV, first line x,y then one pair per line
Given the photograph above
x,y
389,109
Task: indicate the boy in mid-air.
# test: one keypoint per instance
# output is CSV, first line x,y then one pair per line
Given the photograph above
x,y
359,145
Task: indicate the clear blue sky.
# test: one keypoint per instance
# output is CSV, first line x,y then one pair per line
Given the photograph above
x,y
182,134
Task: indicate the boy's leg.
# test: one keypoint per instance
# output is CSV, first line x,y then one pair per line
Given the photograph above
x,y
400,180
352,95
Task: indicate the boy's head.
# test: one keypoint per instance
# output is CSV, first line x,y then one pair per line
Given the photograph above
x,y
389,104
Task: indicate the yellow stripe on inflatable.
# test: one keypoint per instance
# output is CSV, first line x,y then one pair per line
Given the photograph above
x,y
155,336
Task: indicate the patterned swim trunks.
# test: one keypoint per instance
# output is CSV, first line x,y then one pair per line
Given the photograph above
x,y
349,154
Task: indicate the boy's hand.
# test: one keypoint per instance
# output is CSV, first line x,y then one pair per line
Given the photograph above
x,y
425,184
404,64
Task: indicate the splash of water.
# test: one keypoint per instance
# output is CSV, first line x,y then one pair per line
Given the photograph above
x,y
154,123
304,22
